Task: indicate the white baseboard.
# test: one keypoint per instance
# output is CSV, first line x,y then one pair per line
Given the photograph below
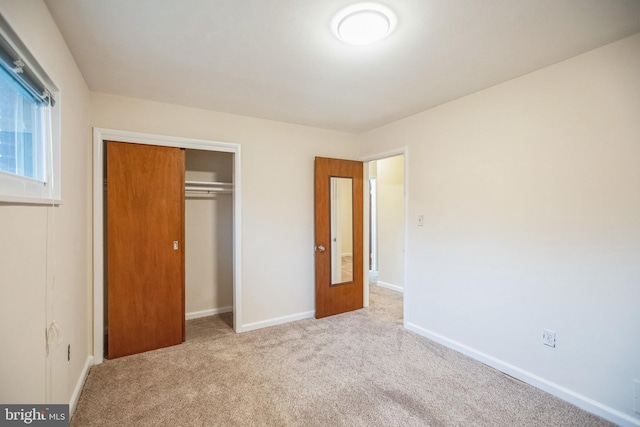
x,y
557,390
210,312
390,286
79,385
277,321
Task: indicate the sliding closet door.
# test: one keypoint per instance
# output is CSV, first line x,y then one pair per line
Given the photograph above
x,y
145,247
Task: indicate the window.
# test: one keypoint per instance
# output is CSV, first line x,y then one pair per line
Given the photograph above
x,y
21,125
29,126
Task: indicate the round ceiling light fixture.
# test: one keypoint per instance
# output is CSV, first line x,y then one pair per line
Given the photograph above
x,y
364,23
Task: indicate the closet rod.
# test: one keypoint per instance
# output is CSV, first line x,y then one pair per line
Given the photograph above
x,y
207,190
203,187
206,187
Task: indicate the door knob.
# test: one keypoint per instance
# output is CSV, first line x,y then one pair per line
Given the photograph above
x,y
319,248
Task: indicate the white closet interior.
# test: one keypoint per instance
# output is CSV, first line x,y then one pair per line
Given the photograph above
x,y
208,233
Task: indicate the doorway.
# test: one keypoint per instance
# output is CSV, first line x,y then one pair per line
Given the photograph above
x,y
99,137
386,213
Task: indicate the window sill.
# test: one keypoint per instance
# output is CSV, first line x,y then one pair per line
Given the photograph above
x,y
7,199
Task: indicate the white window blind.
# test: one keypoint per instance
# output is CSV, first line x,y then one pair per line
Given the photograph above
x,y
29,125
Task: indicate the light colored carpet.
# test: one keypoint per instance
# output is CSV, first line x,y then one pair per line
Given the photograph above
x,y
356,369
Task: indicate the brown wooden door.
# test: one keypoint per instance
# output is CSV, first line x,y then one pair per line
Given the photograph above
x,y
338,236
145,268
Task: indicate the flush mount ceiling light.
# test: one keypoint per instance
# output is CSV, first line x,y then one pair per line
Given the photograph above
x,y
364,23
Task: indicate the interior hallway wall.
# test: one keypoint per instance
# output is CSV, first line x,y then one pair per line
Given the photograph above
x,y
529,192
391,228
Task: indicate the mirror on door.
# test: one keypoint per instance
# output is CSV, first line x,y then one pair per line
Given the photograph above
x,y
341,230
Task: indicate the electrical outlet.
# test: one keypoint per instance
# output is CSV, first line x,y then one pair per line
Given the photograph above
x,y
636,396
548,338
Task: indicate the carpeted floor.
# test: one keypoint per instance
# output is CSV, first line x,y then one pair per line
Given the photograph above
x,y
356,369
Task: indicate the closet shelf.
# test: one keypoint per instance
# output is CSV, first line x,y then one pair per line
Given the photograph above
x,y
209,183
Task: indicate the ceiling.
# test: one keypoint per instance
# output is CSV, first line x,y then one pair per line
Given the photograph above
x,y
279,60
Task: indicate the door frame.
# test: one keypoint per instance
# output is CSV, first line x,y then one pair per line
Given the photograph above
x,y
402,151
99,136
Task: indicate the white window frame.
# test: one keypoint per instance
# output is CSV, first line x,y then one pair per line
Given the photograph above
x,y
25,190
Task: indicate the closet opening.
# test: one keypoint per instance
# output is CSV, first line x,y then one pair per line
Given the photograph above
x,y
209,242
204,238
208,234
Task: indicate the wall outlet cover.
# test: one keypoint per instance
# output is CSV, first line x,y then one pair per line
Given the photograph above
x,y
548,338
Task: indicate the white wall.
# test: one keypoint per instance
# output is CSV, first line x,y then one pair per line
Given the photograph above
x,y
390,211
277,193
45,255
208,235
530,192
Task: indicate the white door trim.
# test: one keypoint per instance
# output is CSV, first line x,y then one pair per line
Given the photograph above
x,y
99,136
402,151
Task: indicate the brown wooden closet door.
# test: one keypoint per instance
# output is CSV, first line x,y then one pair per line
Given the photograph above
x,y
145,216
